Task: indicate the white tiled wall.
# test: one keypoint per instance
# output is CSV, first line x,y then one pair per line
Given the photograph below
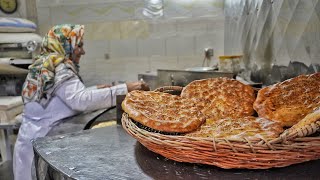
x,y
123,48
180,45
112,70
93,46
136,44
163,62
162,29
213,40
151,47
192,27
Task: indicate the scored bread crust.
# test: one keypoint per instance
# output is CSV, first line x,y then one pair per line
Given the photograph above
x,y
163,111
308,120
289,101
221,97
239,128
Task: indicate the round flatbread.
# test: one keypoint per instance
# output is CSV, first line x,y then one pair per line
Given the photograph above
x,y
221,97
289,101
163,111
239,128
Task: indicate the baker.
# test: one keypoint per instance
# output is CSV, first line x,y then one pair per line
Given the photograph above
x,y
53,90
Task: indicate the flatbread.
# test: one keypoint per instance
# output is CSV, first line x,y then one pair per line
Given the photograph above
x,y
163,111
221,97
289,101
104,124
239,128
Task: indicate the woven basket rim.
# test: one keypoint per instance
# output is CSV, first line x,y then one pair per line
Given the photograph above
x,y
285,137
226,154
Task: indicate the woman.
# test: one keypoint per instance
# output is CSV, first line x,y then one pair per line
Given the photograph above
x,y
53,90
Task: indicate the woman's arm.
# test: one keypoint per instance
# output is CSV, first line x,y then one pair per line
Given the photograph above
x,y
79,98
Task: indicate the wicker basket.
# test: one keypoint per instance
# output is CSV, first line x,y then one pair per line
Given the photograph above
x,y
285,150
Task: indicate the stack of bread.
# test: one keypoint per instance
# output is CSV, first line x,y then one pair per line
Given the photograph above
x,y
226,108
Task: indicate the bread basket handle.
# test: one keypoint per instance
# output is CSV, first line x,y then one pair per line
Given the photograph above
x,y
307,126
169,88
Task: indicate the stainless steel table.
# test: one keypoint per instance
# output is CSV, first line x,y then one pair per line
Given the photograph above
x,y
110,153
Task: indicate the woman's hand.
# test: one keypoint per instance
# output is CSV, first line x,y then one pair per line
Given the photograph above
x,y
139,85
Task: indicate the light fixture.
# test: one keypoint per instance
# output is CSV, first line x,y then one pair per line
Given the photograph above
x,y
153,8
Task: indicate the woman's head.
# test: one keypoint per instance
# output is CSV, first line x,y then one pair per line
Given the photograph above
x,y
61,46
66,40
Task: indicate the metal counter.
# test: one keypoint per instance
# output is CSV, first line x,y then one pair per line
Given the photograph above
x,y
168,77
81,121
110,153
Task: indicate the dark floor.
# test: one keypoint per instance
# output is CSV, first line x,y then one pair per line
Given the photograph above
x,y
6,172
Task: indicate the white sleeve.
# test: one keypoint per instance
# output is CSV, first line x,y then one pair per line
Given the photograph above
x,y
79,98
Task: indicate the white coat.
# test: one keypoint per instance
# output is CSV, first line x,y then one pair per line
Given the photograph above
x,y
68,99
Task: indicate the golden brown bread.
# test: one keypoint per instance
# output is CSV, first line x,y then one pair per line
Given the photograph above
x,y
221,97
163,111
290,101
309,119
239,128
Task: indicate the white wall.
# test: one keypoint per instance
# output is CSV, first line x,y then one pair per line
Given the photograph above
x,y
134,43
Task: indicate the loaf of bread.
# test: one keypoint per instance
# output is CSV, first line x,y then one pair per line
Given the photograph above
x,y
290,101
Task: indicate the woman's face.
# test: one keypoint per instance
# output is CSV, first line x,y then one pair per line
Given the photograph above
x,y
78,52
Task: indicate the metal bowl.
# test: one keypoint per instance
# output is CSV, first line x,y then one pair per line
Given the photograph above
x,y
200,69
